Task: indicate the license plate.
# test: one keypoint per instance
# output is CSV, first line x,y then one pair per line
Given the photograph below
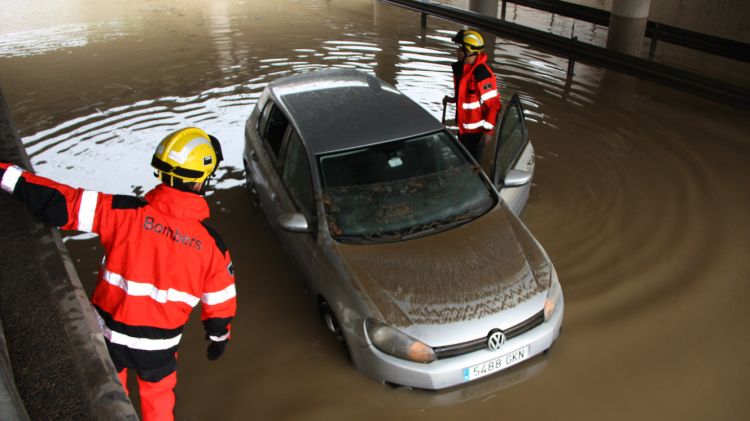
x,y
496,364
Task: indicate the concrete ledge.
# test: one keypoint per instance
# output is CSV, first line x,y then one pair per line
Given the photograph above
x,y
58,356
11,406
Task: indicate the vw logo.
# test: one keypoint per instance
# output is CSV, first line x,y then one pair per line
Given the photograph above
x,y
496,339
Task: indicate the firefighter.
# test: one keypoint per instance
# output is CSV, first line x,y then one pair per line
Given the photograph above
x,y
161,260
475,93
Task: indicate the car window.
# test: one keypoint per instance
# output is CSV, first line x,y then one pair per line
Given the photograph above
x,y
512,140
402,189
297,178
272,126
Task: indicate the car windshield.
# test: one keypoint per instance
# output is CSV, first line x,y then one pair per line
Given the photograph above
x,y
401,189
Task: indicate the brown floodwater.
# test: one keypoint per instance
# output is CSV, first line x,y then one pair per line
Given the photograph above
x,y
641,198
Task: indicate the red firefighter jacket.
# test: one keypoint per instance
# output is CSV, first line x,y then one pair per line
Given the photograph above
x,y
477,98
160,260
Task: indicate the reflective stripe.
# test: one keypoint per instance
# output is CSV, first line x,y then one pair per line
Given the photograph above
x,y
10,178
144,344
488,95
219,297
183,155
219,338
488,126
87,210
476,104
142,289
472,126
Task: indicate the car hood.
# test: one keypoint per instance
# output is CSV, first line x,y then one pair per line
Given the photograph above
x,y
473,271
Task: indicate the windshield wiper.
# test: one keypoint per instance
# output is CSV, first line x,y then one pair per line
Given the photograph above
x,y
442,224
414,231
428,228
381,235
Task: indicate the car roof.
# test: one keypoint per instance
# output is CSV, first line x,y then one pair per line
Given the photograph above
x,y
337,109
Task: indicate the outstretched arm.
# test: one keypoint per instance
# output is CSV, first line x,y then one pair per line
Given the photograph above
x,y
51,202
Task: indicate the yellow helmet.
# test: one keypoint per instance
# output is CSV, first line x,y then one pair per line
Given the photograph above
x,y
471,41
189,155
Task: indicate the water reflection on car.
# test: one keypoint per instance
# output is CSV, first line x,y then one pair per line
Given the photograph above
x,y
414,254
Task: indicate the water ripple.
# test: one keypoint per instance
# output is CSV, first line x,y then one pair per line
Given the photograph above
x,y
422,71
639,196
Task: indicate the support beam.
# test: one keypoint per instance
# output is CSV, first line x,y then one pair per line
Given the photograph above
x,y
484,7
487,8
627,26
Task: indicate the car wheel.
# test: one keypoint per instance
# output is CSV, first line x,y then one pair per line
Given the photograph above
x,y
397,386
333,326
330,320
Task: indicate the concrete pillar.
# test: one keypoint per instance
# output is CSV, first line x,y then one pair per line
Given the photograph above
x,y
627,26
378,10
484,7
487,8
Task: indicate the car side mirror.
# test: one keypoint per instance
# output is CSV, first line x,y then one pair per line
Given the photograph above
x,y
517,178
294,222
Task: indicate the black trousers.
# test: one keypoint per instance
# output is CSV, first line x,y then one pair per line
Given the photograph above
x,y
474,144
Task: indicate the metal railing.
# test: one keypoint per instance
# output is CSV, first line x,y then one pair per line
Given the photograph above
x,y
580,51
656,31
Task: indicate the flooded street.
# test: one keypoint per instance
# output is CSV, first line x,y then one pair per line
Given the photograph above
x,y
641,197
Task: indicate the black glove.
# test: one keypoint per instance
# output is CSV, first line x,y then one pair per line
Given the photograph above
x,y
215,349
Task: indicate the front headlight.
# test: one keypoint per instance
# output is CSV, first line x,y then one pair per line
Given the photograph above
x,y
553,296
397,343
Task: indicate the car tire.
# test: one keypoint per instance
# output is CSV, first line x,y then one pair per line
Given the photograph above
x,y
333,326
330,320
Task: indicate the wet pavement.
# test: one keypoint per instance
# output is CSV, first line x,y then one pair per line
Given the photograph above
x,y
640,198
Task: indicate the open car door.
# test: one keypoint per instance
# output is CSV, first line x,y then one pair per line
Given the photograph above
x,y
513,164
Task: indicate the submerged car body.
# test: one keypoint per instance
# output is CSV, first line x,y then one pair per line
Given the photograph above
x,y
415,255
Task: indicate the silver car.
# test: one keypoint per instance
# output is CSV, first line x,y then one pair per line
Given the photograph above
x,y
414,254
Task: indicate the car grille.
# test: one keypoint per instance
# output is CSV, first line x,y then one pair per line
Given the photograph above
x,y
455,350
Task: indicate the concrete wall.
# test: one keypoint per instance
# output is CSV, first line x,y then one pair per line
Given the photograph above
x,y
11,405
58,356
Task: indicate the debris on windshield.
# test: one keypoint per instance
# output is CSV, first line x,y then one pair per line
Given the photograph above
x,y
401,189
388,214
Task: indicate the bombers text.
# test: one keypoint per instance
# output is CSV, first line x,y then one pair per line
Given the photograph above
x,y
150,224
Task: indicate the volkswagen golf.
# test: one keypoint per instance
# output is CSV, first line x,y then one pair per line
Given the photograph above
x,y
413,252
